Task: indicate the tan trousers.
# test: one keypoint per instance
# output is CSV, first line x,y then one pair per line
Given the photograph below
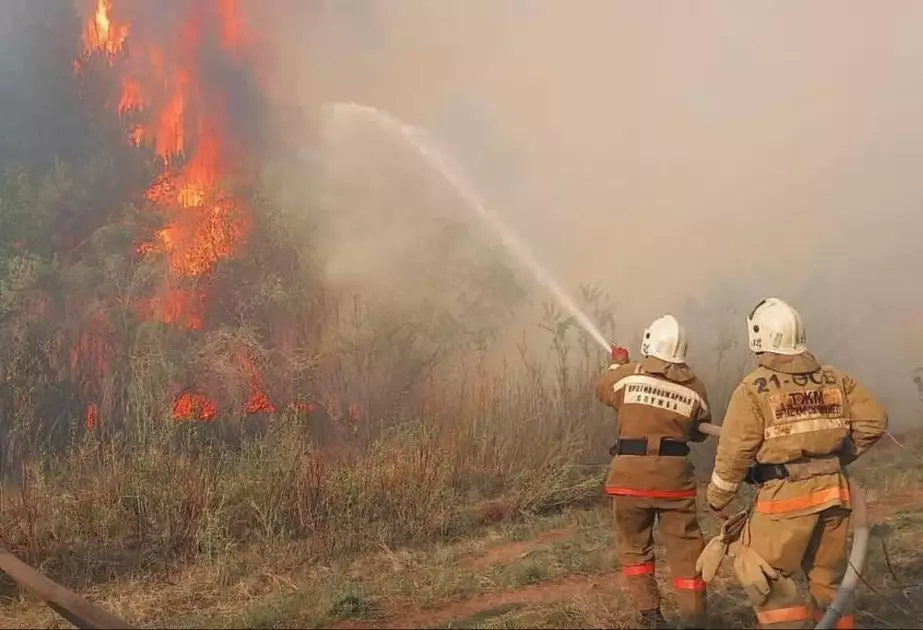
x,y
683,541
816,544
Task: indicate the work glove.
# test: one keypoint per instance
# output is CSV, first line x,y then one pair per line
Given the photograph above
x,y
754,573
619,355
712,556
710,559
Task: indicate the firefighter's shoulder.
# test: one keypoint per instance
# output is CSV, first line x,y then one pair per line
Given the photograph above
x,y
617,371
749,384
606,383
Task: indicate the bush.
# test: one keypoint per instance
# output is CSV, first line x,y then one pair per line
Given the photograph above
x,y
377,433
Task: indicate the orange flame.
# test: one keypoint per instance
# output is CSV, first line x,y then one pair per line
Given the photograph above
x,y
92,417
259,401
184,308
170,132
205,225
136,136
194,406
181,120
101,34
132,98
233,33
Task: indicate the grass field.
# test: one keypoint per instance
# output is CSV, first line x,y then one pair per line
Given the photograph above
x,y
517,569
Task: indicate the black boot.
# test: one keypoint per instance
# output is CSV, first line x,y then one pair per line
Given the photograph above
x,y
653,620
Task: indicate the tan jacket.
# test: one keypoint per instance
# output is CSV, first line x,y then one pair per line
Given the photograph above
x,y
792,410
654,400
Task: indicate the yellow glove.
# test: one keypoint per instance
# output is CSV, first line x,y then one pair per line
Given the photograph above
x,y
711,558
754,574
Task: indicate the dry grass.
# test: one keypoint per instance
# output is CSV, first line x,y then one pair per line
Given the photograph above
x,y
481,509
185,510
553,571
166,520
103,509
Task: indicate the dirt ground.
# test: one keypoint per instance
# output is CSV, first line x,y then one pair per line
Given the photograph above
x,y
559,571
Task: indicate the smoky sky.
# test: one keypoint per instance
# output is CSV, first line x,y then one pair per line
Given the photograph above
x,y
687,157
709,153
41,117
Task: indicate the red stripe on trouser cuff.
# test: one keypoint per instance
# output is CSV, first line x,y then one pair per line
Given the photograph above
x,y
689,584
846,622
639,569
783,615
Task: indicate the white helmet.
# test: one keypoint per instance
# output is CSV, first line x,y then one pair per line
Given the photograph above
x,y
776,327
665,339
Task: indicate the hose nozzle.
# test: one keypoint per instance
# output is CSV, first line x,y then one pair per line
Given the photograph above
x,y
619,354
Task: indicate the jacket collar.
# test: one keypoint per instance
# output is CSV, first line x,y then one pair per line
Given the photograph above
x,y
803,363
676,372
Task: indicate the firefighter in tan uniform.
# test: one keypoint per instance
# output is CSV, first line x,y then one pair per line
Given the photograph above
x,y
660,402
790,427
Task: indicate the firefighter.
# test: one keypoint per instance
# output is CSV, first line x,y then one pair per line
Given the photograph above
x,y
659,403
790,427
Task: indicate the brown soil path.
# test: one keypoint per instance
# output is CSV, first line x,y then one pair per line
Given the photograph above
x,y
493,603
566,589
510,552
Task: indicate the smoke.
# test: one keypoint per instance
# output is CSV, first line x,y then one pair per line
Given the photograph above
x,y
690,158
406,236
40,117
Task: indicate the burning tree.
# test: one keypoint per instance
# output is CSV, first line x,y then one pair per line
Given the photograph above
x,y
175,104
157,296
154,269
172,286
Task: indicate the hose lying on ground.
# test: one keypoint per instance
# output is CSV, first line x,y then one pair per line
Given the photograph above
x,y
65,602
857,556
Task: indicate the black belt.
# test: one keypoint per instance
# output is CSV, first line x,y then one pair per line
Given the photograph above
x,y
638,446
761,473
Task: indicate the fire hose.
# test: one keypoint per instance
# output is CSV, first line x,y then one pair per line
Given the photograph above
x,y
856,556
78,611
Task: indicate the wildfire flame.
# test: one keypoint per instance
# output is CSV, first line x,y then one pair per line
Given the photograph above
x,y
194,406
168,110
258,401
92,417
131,98
183,123
102,34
